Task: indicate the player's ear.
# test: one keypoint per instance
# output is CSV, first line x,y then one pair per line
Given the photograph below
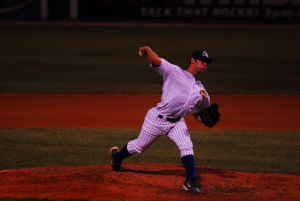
x,y
192,61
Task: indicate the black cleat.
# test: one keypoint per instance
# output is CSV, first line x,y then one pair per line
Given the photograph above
x,y
115,164
191,185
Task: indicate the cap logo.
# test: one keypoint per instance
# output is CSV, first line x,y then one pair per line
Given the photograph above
x,y
205,54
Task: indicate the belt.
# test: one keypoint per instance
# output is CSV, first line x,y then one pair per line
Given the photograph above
x,y
172,120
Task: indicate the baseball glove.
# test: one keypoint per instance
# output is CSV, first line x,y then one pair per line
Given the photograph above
x,y
209,116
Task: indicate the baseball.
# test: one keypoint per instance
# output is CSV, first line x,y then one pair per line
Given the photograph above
x,y
140,53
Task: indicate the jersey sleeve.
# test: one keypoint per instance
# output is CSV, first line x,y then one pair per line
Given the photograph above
x,y
165,68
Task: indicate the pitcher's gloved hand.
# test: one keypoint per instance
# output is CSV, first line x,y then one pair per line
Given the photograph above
x,y
209,116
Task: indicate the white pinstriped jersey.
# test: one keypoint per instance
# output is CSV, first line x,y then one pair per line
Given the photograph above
x,y
180,95
181,91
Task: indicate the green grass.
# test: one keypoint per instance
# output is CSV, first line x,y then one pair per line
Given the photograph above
x,y
256,151
49,59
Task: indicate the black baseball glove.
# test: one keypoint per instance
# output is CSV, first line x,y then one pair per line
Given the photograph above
x,y
209,116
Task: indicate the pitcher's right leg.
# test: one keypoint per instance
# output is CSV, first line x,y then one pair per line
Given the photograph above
x,y
147,136
149,133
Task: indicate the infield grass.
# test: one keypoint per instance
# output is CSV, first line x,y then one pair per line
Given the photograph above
x,y
255,151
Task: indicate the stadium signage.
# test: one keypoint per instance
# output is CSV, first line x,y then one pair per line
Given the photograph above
x,y
172,10
238,9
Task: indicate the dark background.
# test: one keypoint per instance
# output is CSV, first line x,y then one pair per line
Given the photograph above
x,y
196,11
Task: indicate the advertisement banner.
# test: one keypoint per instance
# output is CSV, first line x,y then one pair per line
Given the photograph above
x,y
263,10
153,10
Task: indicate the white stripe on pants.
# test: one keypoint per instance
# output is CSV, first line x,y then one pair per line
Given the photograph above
x,y
154,127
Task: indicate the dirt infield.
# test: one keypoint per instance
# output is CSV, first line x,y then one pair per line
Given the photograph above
x,y
145,182
255,112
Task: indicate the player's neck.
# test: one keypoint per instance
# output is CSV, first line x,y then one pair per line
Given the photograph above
x,y
192,70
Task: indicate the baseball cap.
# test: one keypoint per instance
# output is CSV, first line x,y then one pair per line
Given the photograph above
x,y
201,55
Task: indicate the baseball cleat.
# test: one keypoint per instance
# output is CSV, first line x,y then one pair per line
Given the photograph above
x,y
115,164
191,185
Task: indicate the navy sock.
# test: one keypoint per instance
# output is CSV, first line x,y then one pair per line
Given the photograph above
x,y
189,164
123,153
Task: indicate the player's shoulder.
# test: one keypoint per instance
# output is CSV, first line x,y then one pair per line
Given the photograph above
x,y
165,63
199,84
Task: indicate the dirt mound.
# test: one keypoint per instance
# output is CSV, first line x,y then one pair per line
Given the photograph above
x,y
144,182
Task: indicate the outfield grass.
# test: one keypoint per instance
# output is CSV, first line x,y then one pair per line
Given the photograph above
x,y
49,59
256,151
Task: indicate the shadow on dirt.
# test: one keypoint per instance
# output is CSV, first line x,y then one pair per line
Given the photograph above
x,y
181,172
160,172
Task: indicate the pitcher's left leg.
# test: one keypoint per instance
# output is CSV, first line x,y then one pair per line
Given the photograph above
x,y
181,137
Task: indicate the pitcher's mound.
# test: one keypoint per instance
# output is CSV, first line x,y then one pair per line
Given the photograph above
x,y
144,182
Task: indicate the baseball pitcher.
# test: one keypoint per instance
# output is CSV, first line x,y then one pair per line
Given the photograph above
x,y
181,94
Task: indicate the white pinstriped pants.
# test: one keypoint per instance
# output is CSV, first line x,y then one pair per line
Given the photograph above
x,y
154,127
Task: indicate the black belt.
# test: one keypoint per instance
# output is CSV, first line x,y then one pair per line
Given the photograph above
x,y
172,120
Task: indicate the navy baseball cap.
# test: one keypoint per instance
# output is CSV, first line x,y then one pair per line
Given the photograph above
x,y
201,55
